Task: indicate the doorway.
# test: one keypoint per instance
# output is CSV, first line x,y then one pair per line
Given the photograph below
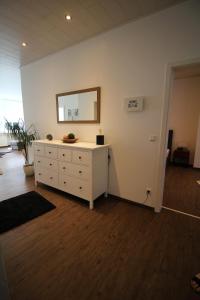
x,y
182,171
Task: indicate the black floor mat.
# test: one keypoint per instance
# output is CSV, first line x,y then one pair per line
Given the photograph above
x,y
21,209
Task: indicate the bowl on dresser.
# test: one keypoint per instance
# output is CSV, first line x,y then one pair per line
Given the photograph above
x,y
70,141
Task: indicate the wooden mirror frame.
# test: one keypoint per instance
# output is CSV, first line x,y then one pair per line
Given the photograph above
x,y
97,89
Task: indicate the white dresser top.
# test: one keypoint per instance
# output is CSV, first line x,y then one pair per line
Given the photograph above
x,y
81,145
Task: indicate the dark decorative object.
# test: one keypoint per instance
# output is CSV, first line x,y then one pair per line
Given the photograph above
x,y
100,139
21,209
49,137
181,156
169,145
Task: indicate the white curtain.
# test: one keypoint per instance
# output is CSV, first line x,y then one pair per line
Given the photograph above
x,y
12,110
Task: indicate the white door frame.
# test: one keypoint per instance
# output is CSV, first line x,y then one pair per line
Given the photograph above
x,y
160,176
196,163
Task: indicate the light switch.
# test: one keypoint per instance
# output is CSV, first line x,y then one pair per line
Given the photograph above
x,y
152,138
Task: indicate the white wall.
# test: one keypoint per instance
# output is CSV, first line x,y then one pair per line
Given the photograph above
x,y
127,61
184,113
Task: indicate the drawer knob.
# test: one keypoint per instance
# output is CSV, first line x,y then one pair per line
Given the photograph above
x,y
38,150
63,154
49,152
80,172
38,161
50,164
65,182
80,187
79,157
64,168
51,177
39,174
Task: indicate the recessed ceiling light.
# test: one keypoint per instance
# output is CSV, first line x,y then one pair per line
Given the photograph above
x,y
24,44
68,17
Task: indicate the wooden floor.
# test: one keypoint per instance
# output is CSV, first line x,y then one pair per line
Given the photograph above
x,y
181,189
118,251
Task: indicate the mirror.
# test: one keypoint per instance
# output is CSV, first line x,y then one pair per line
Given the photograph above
x,y
81,106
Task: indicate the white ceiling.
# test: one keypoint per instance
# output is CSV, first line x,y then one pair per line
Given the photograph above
x,y
41,23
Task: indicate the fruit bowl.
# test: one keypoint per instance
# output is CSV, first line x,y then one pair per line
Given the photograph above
x,y
66,140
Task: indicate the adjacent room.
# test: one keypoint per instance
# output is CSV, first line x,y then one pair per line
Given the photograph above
x,y
183,163
91,100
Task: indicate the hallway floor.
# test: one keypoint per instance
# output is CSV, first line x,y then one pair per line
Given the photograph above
x,y
182,192
117,251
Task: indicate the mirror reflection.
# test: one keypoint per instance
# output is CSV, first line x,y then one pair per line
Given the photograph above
x,y
81,106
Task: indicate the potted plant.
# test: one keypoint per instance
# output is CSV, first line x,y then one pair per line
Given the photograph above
x,y
70,138
24,137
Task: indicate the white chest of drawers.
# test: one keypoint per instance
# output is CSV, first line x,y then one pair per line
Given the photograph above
x,y
80,169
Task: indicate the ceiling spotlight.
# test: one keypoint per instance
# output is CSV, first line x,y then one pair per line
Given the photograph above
x,y
24,44
68,17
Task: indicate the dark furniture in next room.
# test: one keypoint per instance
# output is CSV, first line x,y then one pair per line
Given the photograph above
x,y
169,145
181,156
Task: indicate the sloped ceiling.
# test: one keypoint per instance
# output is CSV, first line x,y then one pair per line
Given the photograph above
x,y
42,24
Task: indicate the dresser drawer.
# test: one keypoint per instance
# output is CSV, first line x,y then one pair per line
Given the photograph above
x,y
65,183
74,186
51,152
80,171
38,162
81,188
40,175
50,164
81,157
64,168
50,178
39,149
64,154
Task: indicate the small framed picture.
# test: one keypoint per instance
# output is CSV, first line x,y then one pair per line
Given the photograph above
x,y
134,104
